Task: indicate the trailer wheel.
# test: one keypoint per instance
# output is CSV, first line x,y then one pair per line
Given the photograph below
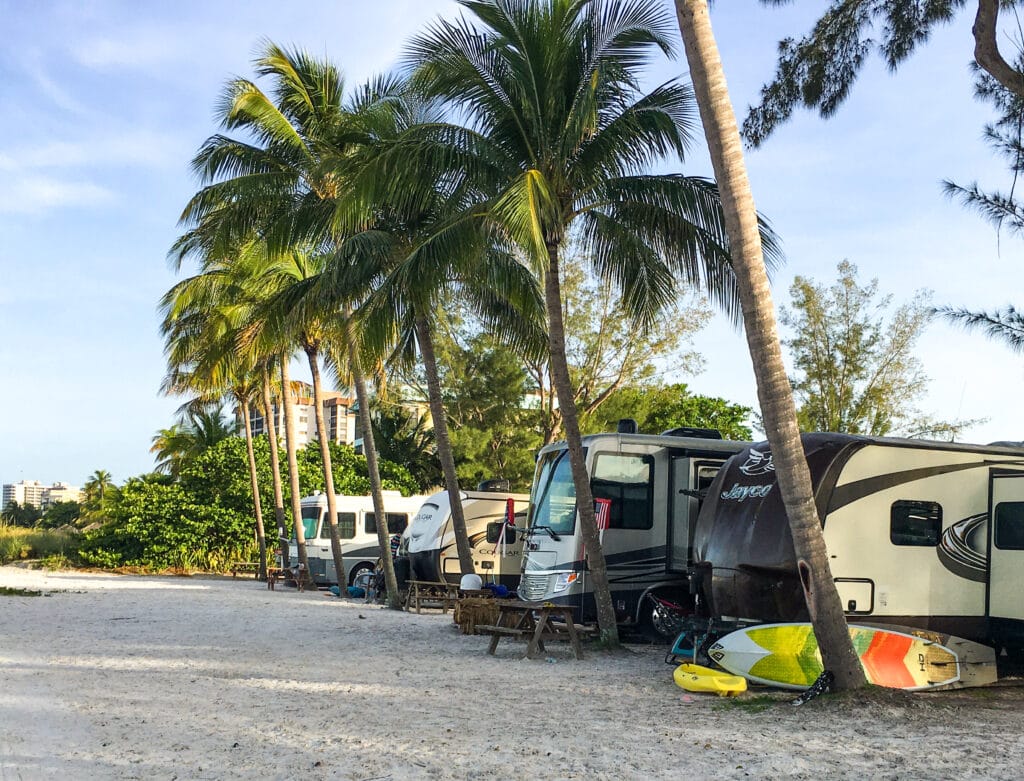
x,y
357,570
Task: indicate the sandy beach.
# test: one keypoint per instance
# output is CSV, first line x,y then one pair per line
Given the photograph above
x,y
126,677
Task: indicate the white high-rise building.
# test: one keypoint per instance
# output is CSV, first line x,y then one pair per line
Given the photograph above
x,y
339,417
38,495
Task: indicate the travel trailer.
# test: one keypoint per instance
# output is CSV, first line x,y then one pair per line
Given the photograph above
x,y
429,541
357,528
921,534
649,489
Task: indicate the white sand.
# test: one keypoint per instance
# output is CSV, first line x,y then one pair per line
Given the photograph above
x,y
126,677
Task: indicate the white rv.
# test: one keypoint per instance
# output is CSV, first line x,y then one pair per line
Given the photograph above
x,y
430,539
357,528
921,534
651,487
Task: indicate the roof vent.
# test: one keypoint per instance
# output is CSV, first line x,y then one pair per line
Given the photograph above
x,y
694,433
627,426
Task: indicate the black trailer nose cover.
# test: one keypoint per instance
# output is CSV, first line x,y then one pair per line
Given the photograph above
x,y
742,535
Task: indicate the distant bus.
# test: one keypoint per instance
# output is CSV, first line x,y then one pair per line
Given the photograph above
x,y
357,527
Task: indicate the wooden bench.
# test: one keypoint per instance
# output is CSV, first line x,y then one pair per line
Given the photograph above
x,y
245,568
430,594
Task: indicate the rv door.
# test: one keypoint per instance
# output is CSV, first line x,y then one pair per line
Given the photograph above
x,y
1006,546
689,483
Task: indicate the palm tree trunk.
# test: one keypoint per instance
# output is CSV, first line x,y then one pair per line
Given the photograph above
x,y
370,452
773,389
261,538
293,468
275,467
444,447
596,566
325,456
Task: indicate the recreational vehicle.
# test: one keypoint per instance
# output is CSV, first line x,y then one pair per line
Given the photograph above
x,y
648,487
357,528
921,534
497,558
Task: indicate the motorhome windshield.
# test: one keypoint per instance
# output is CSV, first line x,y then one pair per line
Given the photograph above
x,y
554,503
310,516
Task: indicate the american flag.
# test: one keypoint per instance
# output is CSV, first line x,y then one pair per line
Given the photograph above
x,y
603,511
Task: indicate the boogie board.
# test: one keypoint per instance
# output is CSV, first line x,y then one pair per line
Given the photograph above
x,y
695,678
787,656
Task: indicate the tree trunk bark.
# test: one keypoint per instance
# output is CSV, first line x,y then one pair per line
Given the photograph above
x,y
774,392
986,49
261,537
325,456
370,452
597,569
293,470
275,467
444,447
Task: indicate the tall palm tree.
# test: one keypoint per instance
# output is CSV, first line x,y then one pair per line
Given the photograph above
x,y
560,138
437,256
774,392
203,317
97,486
276,188
270,424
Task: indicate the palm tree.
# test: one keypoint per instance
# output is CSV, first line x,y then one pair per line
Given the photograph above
x,y
558,137
97,486
278,189
203,317
199,428
270,424
774,392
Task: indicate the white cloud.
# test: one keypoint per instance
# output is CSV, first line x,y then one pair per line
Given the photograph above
x,y
142,148
138,48
38,194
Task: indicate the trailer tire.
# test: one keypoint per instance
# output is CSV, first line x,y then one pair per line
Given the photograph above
x,y
359,569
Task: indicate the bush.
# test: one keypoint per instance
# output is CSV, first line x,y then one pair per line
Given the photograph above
x,y
156,526
18,544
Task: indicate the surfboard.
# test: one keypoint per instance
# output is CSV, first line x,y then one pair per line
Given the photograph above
x,y
977,662
787,656
695,678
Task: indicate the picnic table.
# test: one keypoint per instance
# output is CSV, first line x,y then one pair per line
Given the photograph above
x,y
537,622
428,593
245,568
293,575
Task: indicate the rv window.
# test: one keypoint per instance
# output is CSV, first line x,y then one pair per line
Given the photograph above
x,y
346,525
396,522
628,481
310,518
1009,526
915,523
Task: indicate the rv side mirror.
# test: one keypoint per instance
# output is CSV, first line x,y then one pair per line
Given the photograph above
x,y
494,533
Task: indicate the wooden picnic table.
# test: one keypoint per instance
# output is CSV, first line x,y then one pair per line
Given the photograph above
x,y
537,622
427,593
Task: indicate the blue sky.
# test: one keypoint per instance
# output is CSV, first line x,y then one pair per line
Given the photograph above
x,y
104,103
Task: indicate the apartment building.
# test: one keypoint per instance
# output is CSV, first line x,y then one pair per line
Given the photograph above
x,y
38,495
340,416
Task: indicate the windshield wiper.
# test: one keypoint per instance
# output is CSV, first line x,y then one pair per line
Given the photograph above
x,y
551,532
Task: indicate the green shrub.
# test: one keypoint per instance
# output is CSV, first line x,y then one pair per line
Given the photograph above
x,y
18,544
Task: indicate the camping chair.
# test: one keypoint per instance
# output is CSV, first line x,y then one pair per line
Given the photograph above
x,y
367,581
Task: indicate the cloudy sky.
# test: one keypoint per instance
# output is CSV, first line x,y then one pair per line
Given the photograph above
x,y
104,102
